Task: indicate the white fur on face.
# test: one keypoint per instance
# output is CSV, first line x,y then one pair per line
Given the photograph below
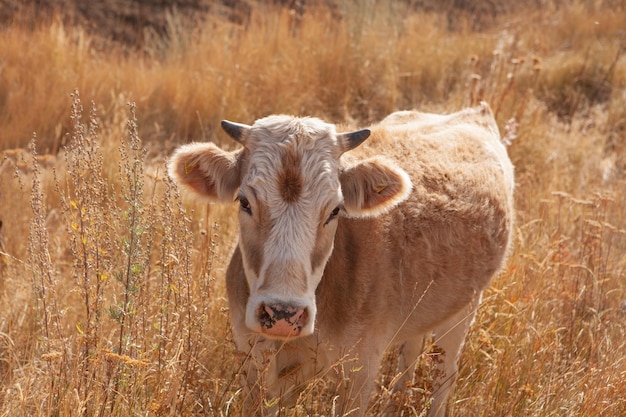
x,y
292,186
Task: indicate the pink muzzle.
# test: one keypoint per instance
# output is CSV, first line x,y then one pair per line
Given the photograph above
x,y
281,321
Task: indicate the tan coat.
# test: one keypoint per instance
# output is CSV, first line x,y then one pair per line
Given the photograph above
x,y
420,234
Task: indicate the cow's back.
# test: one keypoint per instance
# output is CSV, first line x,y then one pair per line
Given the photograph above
x,y
413,267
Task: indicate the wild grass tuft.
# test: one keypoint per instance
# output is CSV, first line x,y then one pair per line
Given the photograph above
x,y
121,309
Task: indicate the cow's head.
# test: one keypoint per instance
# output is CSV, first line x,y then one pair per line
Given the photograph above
x,y
292,189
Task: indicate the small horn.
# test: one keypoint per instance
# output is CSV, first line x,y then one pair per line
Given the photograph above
x,y
237,131
351,140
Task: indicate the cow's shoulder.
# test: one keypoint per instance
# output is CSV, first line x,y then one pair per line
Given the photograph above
x,y
466,143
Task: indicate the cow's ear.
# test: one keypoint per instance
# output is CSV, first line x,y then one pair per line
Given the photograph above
x,y
373,186
207,171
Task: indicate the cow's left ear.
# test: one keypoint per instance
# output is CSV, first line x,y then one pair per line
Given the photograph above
x,y
373,186
210,173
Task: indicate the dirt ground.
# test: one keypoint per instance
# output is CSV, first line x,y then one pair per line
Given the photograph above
x,y
131,22
120,21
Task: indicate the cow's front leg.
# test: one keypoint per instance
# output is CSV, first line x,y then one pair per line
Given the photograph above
x,y
356,375
259,376
408,356
275,373
450,338
298,362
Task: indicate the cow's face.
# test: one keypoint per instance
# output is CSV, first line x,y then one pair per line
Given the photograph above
x,y
291,190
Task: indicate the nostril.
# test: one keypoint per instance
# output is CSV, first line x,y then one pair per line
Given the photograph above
x,y
266,316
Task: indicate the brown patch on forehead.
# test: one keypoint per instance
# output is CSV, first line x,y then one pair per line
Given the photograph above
x,y
290,177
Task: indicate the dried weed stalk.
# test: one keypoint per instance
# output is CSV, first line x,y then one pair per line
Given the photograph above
x,y
129,334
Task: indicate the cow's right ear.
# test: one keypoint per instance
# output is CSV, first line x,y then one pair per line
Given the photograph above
x,y
207,171
373,186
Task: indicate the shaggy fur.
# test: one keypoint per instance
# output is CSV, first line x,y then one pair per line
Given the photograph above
x,y
419,235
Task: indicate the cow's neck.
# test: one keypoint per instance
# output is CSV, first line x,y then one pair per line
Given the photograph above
x,y
348,278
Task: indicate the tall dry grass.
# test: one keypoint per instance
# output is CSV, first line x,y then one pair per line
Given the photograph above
x,y
357,67
117,308
111,286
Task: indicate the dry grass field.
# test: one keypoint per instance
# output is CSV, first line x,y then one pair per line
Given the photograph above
x,y
112,298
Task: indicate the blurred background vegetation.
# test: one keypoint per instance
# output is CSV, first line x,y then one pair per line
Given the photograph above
x,y
189,63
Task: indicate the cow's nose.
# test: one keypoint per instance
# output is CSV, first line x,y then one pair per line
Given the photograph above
x,y
280,320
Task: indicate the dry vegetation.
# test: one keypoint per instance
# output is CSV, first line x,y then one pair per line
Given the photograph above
x,y
111,287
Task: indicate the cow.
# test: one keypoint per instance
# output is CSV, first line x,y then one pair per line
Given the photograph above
x,y
346,250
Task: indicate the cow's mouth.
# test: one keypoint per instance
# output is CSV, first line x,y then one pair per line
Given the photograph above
x,y
280,320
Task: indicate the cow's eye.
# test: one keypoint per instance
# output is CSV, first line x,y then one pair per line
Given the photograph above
x,y
332,216
244,205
